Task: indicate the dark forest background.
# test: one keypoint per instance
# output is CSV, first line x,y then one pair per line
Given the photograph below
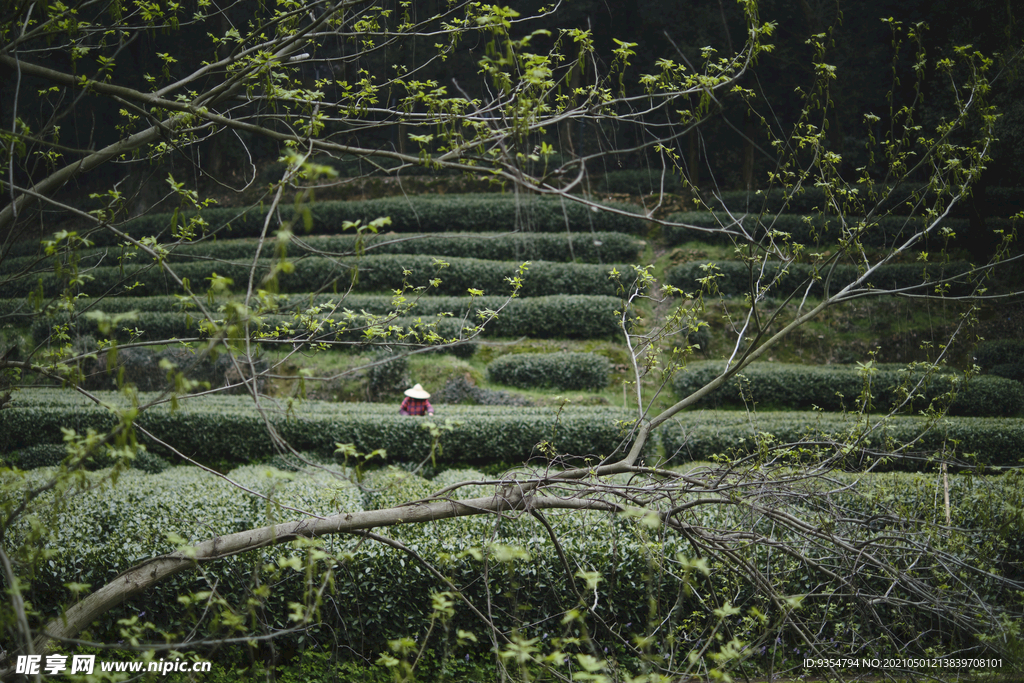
x,y
729,152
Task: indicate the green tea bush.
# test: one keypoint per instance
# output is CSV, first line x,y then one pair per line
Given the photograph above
x,y
420,330
734,277
537,317
387,375
39,455
559,317
999,201
382,273
52,454
1001,357
477,212
461,390
150,463
143,369
703,435
223,430
776,200
152,326
584,247
569,371
638,181
112,528
378,593
415,214
804,229
1012,371
976,503
545,317
142,366
837,387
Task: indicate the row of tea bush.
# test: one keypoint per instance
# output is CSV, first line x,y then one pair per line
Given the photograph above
x,y
409,214
847,387
584,247
378,593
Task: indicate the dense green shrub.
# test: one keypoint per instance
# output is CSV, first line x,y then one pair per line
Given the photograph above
x,y
538,317
220,429
425,213
386,272
152,326
143,368
421,331
377,594
149,462
804,229
806,200
387,374
39,455
991,353
585,247
570,371
638,181
837,387
473,213
546,317
701,435
119,526
52,454
734,277
461,390
1012,371
999,201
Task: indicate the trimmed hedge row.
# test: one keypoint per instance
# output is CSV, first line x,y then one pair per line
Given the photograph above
x,y
1002,358
570,371
421,330
545,317
998,352
426,213
991,441
999,201
835,387
585,247
375,273
809,229
377,594
52,454
1011,371
225,431
733,277
539,317
638,181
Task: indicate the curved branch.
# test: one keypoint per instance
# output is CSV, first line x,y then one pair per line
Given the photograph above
x,y
152,572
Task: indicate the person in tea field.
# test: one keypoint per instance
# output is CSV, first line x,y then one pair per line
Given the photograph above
x,y
415,402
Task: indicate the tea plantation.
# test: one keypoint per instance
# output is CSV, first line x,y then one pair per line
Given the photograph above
x,y
540,385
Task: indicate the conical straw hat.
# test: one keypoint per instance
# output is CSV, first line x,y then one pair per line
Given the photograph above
x,y
417,392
